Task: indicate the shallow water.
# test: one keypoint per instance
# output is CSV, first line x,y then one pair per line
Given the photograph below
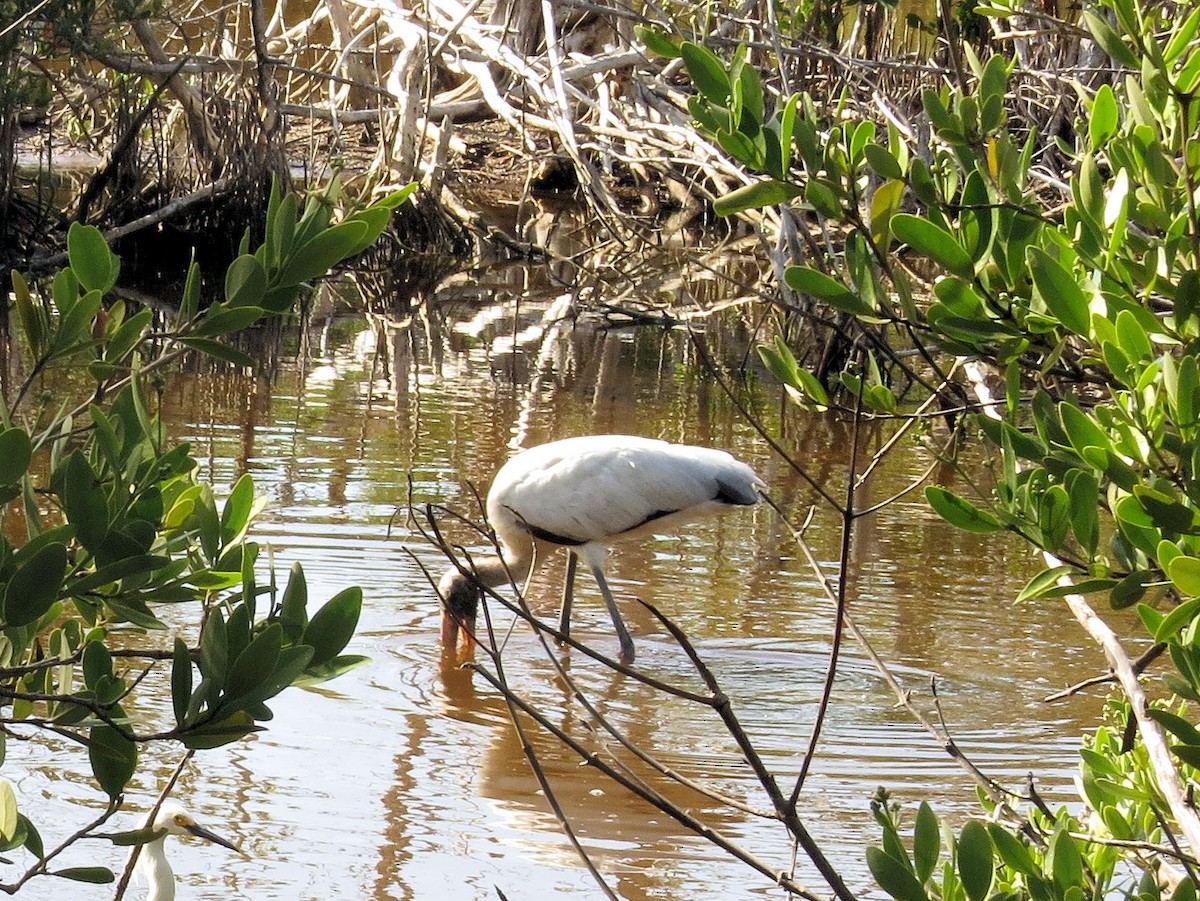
x,y
405,778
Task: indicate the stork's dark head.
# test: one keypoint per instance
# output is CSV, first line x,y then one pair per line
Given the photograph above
x,y
460,604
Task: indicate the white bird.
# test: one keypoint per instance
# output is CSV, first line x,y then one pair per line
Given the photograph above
x,y
587,494
152,865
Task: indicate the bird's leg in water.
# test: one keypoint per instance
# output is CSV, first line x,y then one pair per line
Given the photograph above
x,y
568,595
618,623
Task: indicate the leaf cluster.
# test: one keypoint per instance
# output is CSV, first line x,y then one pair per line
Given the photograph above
x,y
116,524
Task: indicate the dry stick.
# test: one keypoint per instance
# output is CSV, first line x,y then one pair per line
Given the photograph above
x,y
835,649
1140,664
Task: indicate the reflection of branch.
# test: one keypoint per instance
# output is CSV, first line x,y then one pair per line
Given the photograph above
x,y
995,792
647,794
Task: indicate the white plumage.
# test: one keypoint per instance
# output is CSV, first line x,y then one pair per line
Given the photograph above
x,y
152,865
587,494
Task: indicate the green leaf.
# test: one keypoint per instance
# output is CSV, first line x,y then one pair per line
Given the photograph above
x,y
245,282
181,680
218,351
293,609
84,501
657,42
815,283
9,817
975,860
1059,291
894,877
16,453
960,512
1184,571
1066,863
1109,41
930,239
254,665
706,71
315,258
1044,581
927,842
238,510
113,758
332,627
214,648
91,260
1102,124
214,735
224,320
755,196
1176,725
35,586
882,162
1168,627
1013,851
1130,589
92,875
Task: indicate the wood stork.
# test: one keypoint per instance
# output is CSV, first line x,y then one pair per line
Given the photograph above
x,y
587,494
152,865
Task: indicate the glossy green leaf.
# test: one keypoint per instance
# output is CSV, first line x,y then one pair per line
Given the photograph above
x,y
755,196
960,512
1013,851
213,735
245,282
16,453
91,875
815,283
181,680
1044,581
1130,590
1179,727
92,262
930,239
238,509
927,842
975,860
214,648
224,320
9,816
1109,41
894,877
1102,124
657,42
84,501
1184,571
113,758
707,72
1065,860
1059,291
332,627
35,586
293,609
316,257
255,664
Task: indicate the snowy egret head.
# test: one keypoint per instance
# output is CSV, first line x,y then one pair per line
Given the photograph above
x,y
171,819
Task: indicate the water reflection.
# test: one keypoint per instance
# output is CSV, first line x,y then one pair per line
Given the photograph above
x,y
406,780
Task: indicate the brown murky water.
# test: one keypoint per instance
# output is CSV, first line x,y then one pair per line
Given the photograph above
x,y
405,780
